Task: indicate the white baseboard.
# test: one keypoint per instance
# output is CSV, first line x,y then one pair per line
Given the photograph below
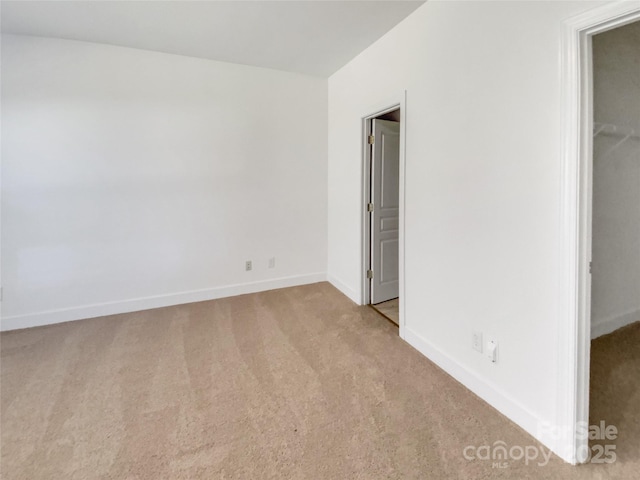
x,y
608,325
133,305
490,393
344,289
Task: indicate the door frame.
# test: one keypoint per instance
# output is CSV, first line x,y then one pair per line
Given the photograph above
x,y
395,102
574,332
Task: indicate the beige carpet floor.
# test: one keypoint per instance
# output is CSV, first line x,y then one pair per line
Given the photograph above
x,y
298,383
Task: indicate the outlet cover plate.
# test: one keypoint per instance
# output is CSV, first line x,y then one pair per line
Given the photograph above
x,y
477,341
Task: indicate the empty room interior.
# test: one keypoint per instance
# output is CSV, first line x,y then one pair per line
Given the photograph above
x,y
320,239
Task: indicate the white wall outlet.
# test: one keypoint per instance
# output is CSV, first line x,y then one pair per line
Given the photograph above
x,y
248,266
272,262
477,341
492,350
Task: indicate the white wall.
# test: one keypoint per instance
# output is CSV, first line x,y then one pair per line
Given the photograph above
x,y
615,300
482,189
133,179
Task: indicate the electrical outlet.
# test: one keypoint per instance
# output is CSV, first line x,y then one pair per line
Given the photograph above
x,y
492,349
272,262
477,341
248,266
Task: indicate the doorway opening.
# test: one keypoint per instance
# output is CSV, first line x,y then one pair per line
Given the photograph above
x,y
615,185
593,190
382,211
614,312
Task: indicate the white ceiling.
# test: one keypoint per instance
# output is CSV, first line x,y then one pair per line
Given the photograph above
x,y
309,37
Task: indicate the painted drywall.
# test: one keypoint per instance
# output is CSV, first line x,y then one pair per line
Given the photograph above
x,y
615,299
482,190
134,179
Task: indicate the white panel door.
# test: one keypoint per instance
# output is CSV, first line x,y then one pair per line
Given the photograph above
x,y
385,193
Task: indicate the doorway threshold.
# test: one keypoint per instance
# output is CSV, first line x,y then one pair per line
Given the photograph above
x,y
389,309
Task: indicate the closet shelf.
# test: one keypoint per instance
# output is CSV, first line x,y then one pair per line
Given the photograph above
x,y
610,130
614,130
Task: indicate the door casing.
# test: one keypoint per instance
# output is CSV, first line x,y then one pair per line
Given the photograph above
x,y
394,102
